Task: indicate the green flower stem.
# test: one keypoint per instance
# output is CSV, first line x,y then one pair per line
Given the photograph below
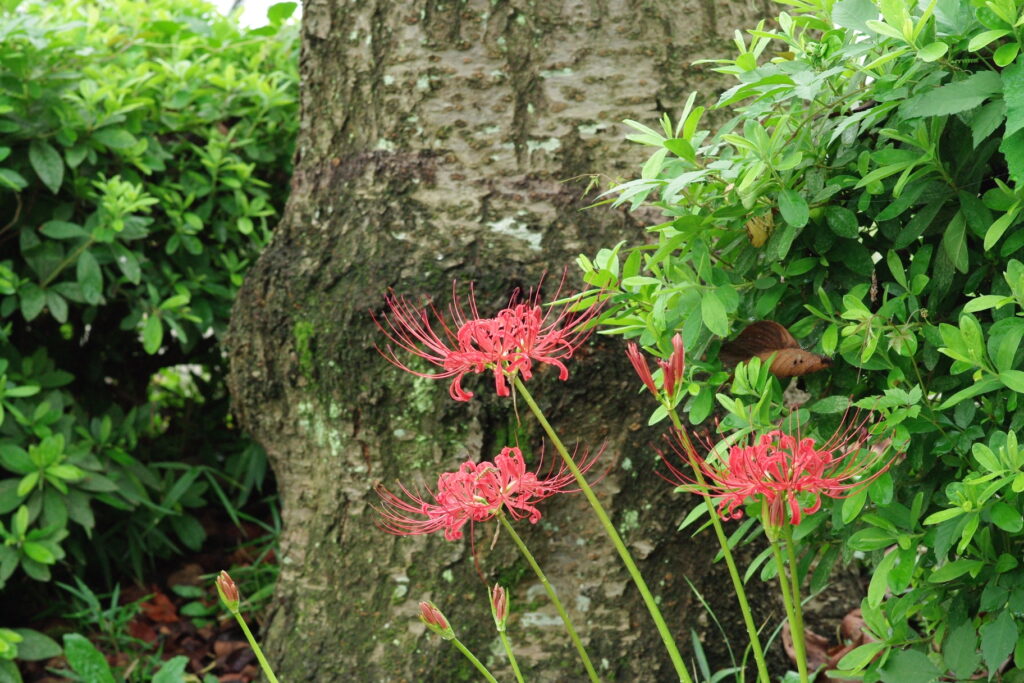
x,y
511,657
737,582
787,599
798,606
255,648
606,522
554,599
476,662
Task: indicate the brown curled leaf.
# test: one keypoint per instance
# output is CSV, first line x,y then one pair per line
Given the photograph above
x,y
767,337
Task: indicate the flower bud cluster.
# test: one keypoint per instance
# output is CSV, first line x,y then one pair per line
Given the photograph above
x,y
671,370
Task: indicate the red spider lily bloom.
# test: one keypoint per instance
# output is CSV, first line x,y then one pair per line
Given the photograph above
x,y
476,492
780,469
507,344
671,370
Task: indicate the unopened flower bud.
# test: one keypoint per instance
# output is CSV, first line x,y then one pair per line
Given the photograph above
x,y
672,369
668,380
228,591
678,359
499,606
435,621
639,363
773,516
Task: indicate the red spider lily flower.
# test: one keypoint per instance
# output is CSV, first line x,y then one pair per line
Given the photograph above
x,y
476,492
671,370
507,344
788,474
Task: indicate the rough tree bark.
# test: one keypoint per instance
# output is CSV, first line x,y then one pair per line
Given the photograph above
x,y
437,138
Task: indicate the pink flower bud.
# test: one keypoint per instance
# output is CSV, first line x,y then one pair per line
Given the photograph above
x,y
640,365
678,359
672,369
499,606
228,591
668,380
435,621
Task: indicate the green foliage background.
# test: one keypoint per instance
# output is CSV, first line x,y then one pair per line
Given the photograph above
x,y
868,195
145,148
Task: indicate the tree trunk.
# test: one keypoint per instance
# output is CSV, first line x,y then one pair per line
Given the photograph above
x,y
443,141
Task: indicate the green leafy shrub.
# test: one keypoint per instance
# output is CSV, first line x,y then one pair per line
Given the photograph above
x,y
144,148
869,195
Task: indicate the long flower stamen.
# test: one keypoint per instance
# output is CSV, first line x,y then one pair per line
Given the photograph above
x,y
507,344
782,469
476,492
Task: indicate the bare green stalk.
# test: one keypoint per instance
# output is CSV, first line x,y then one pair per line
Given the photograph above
x,y
613,535
791,613
723,541
472,658
554,599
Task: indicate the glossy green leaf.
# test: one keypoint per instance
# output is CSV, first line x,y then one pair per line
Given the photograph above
x,y
32,301
280,11
932,51
38,552
173,670
984,38
47,163
842,221
793,207
9,496
1006,517
977,388
954,242
884,29
57,305
854,14
1013,95
713,314
12,180
909,666
1012,148
879,583
9,672
681,148
152,334
36,646
90,277
985,120
115,138
954,570
997,639
1014,379
960,650
86,660
62,230
861,656
1005,54
955,97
